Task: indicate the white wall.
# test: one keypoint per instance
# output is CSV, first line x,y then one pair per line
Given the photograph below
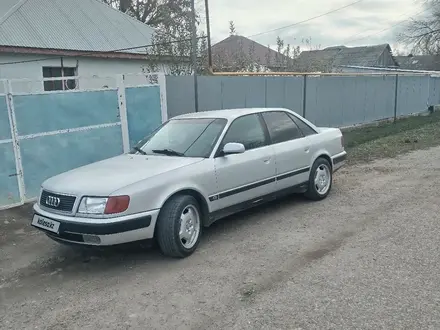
x,y
93,69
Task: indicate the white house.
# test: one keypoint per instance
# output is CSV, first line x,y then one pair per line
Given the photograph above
x,y
41,39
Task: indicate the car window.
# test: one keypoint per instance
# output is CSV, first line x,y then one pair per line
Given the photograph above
x,y
246,130
195,137
305,129
281,127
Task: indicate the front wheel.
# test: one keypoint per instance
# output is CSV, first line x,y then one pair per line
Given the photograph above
x,y
320,180
179,226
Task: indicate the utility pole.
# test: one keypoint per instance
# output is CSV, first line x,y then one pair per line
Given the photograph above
x,y
208,32
194,54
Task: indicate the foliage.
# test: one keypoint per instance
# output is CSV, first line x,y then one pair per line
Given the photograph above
x,y
245,59
155,13
423,34
232,31
171,44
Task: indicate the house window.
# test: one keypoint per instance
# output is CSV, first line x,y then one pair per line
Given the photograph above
x,y
59,72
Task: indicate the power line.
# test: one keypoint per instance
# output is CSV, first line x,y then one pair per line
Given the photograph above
x,y
388,28
306,20
106,51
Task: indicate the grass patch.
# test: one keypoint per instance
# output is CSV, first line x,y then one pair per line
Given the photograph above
x,y
392,139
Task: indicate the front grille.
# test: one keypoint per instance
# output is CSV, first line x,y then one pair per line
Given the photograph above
x,y
57,202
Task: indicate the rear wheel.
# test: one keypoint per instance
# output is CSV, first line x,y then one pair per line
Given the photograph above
x,y
320,180
179,226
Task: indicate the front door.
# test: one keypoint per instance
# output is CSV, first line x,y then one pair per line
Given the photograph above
x,y
247,176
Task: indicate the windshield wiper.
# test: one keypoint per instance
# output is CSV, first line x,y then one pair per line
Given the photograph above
x,y
139,150
168,152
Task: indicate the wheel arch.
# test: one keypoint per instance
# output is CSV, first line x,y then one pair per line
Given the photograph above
x,y
204,208
325,155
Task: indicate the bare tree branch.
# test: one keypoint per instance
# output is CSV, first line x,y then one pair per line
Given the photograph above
x,y
423,34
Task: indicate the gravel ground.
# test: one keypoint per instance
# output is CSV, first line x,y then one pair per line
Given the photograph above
x,y
365,258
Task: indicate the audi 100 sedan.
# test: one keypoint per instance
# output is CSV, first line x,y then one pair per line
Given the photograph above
x,y
190,172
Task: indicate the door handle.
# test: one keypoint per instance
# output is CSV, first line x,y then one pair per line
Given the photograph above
x,y
267,160
307,149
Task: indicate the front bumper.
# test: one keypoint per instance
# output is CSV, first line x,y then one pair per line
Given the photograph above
x,y
101,232
339,160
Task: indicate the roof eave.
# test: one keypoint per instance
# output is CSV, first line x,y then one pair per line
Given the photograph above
x,y
77,53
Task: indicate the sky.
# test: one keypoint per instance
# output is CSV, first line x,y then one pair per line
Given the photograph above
x,y
365,23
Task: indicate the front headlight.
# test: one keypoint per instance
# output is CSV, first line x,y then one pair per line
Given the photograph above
x,y
92,205
104,205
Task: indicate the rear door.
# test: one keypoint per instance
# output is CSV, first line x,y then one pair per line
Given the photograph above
x,y
291,147
247,176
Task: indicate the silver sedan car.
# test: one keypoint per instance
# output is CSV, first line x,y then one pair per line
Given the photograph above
x,y
190,172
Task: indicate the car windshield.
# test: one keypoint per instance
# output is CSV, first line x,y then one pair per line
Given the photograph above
x,y
183,137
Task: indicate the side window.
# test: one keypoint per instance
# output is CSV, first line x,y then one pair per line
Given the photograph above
x,y
281,127
246,130
305,129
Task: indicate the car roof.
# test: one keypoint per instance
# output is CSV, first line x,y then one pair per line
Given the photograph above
x,y
229,114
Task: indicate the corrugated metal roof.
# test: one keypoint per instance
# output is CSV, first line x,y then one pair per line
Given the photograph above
x,y
325,59
419,62
84,25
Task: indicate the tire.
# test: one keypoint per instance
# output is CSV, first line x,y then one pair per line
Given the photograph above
x,y
319,191
172,241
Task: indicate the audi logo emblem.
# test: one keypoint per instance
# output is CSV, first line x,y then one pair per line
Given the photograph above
x,y
53,201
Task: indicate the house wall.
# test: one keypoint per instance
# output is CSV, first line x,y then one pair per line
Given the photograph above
x,y
94,71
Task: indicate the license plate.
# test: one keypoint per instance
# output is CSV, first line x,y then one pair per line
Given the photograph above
x,y
45,223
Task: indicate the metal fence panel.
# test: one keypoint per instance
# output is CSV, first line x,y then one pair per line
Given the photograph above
x,y
5,130
61,130
143,111
294,93
46,156
37,113
434,91
343,101
9,193
233,93
180,95
413,94
210,93
254,91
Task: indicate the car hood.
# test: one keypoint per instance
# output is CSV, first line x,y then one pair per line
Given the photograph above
x,y
104,177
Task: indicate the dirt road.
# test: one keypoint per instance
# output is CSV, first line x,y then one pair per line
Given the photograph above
x,y
366,258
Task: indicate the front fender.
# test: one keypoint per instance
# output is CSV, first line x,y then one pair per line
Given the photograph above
x,y
152,193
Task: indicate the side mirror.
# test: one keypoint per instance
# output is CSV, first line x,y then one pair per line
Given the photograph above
x,y
233,148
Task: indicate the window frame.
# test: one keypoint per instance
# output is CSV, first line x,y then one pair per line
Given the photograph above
x,y
287,114
267,141
47,80
302,121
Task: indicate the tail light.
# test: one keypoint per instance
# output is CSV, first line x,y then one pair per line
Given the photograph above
x,y
342,142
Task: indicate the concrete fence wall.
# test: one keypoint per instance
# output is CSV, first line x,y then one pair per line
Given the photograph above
x,y
324,100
